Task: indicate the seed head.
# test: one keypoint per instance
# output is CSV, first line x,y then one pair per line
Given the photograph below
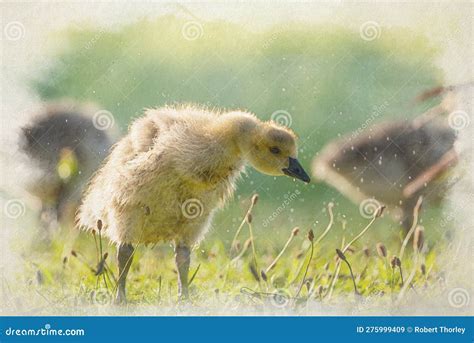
x,y
73,253
379,211
249,218
381,250
423,269
264,276
395,262
254,199
295,231
99,225
308,284
341,254
366,251
419,238
310,235
254,272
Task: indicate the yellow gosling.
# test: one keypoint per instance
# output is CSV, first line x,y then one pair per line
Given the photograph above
x,y
167,177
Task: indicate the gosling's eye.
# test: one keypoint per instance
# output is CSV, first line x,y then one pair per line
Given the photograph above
x,y
275,150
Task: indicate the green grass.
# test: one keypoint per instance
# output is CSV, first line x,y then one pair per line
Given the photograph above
x,y
56,281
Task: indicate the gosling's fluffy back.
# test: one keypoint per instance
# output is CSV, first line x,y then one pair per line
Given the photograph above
x,y
163,181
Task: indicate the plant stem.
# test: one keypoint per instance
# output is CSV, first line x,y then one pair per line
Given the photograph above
x,y
413,227
254,255
306,270
331,222
352,276
272,265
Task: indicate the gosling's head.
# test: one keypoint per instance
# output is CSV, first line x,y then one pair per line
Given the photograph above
x,y
271,149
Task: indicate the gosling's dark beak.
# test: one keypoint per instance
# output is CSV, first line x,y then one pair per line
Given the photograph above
x,y
296,170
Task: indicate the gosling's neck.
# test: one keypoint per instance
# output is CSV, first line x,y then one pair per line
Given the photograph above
x,y
237,130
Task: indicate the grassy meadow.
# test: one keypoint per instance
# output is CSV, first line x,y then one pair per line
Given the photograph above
x,y
325,81
65,273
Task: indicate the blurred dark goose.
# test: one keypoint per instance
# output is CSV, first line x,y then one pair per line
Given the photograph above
x,y
63,144
164,181
392,162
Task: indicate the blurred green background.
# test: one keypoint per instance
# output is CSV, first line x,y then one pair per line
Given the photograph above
x,y
327,78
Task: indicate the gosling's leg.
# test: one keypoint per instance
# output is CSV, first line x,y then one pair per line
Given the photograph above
x,y
182,259
125,257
